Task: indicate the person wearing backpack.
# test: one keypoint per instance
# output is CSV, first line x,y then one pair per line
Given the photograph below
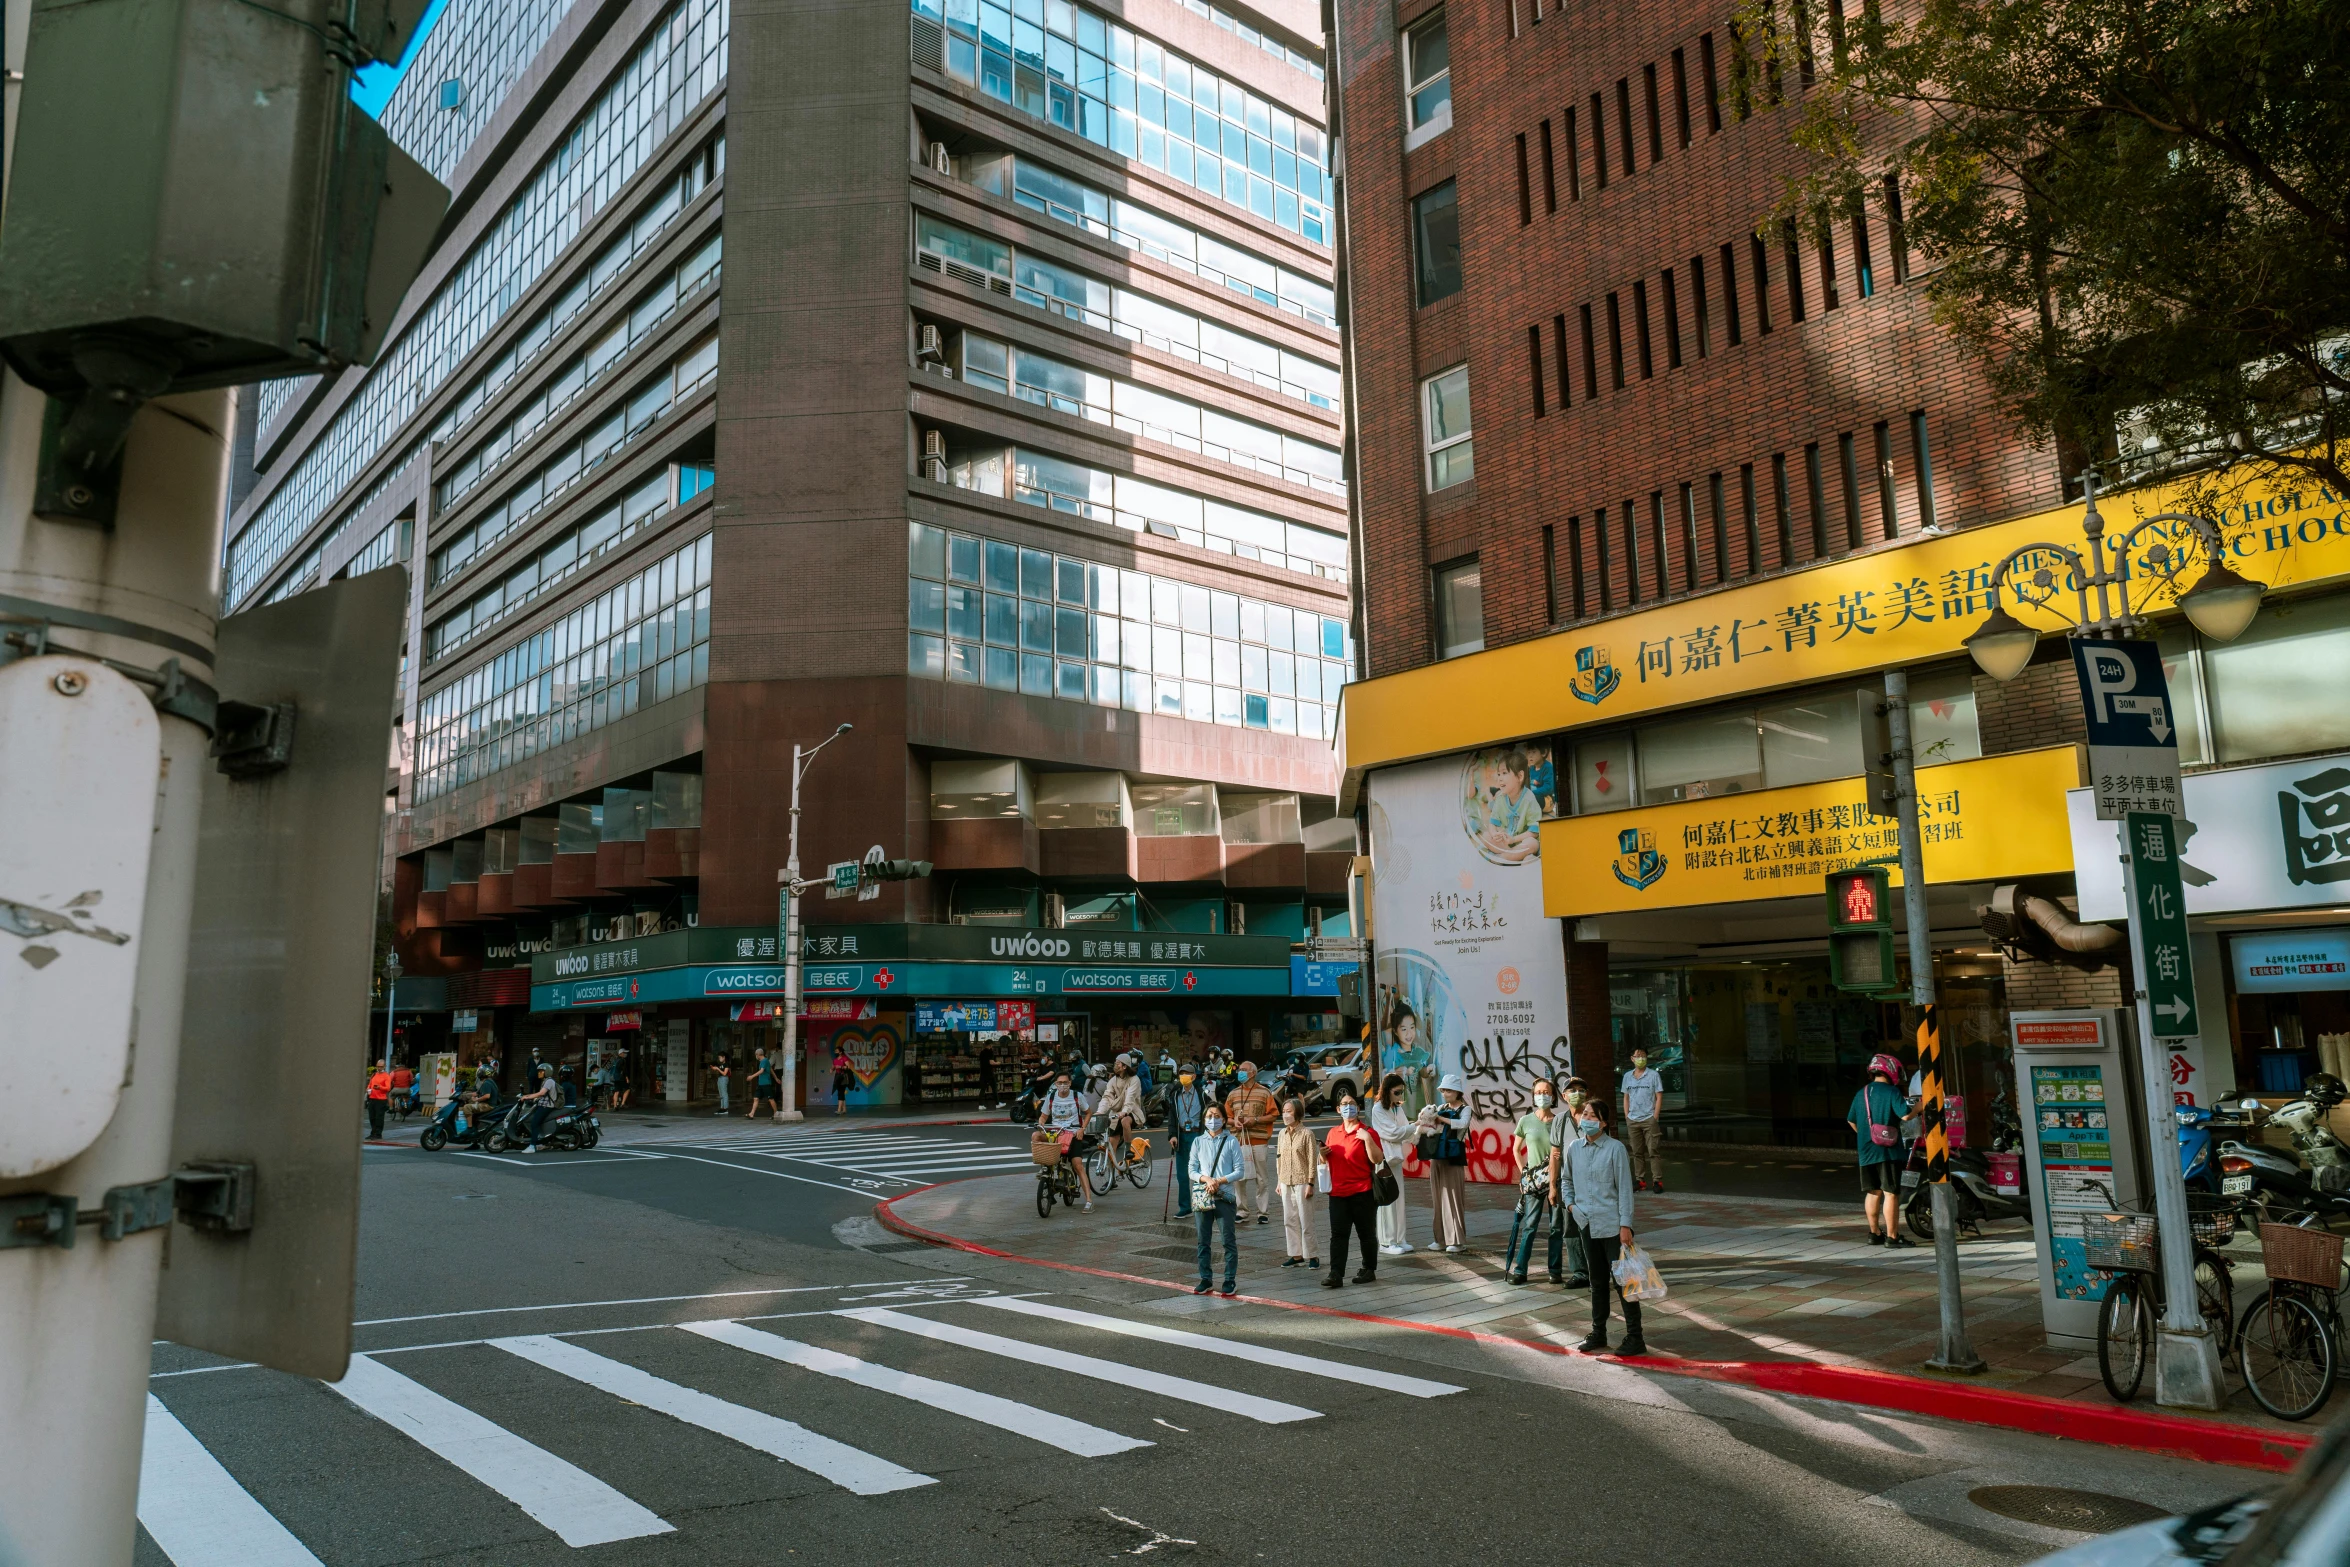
x,y
1875,1119
1448,1169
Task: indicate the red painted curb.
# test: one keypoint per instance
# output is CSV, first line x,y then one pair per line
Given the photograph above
x,y
2203,1441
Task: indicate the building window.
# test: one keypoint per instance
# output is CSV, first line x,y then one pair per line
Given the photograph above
x,y
1460,609
1444,419
1436,242
1428,80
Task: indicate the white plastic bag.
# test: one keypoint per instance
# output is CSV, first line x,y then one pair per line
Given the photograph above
x,y
1322,1179
1636,1276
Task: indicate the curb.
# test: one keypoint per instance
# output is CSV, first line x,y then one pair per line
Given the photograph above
x,y
2172,1436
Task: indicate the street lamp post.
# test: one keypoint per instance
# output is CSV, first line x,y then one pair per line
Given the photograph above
x,y
2220,605
793,886
391,1002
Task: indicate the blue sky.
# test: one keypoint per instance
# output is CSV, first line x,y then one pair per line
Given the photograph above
x,y
372,87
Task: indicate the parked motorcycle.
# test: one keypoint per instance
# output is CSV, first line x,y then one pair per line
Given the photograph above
x,y
1973,1198
2314,1178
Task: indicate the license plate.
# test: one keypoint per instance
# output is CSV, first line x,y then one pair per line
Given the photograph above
x,y
1909,1178
2235,1185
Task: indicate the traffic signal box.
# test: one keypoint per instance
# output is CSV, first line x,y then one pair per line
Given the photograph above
x,y
1860,931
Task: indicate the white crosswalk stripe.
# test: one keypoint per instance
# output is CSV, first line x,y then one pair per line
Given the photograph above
x,y
581,1509
850,1468
1269,1411
197,1512
201,1515
899,1156
1071,1436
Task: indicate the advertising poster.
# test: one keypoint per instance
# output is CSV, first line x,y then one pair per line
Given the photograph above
x,y
1472,976
2076,1162
876,1052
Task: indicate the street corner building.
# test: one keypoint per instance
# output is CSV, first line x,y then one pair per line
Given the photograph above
x,y
1646,499
1003,422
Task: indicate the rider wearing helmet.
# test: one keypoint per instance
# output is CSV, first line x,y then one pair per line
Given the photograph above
x,y
1875,1119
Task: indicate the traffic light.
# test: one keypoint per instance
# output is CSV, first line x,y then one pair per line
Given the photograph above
x,y
194,201
1860,931
892,870
1876,754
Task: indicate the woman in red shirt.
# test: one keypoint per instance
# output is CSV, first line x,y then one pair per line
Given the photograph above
x,y
1352,1152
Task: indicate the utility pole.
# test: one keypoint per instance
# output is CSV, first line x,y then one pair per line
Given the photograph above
x,y
391,1002
793,886
1955,1352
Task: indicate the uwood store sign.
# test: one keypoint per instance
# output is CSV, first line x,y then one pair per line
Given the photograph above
x,y
1989,820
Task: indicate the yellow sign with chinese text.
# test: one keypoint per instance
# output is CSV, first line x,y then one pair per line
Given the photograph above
x,y
1994,819
1900,604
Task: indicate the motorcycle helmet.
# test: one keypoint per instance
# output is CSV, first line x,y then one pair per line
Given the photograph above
x,y
1885,1066
2325,1088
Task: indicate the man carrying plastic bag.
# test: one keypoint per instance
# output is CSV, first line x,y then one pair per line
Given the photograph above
x,y
1592,1174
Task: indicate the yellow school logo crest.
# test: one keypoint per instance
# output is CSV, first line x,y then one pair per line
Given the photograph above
x,y
1638,865
1596,677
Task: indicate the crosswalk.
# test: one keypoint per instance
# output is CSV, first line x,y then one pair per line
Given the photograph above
x,y
866,1158
202,1515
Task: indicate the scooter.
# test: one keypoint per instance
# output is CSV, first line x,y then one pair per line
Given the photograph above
x,y
466,1126
1973,1198
570,1127
2314,1178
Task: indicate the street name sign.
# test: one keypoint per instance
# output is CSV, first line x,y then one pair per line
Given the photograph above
x,y
2158,919
2133,735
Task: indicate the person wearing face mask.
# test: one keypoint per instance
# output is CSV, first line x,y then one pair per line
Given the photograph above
x,y
1595,1188
1215,1171
1063,1112
1298,1155
1448,1172
1252,1113
1396,1132
1186,1110
1530,1150
1644,1123
1352,1152
1121,1109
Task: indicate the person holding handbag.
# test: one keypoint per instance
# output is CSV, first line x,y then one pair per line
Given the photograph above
x,y
1216,1169
1595,1188
1448,1171
1396,1131
1356,1159
1299,1158
1875,1118
1530,1152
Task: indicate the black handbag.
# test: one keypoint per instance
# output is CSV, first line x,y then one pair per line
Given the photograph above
x,y
1385,1188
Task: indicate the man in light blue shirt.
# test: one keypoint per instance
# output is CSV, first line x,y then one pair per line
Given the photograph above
x,y
1644,1126
1215,1169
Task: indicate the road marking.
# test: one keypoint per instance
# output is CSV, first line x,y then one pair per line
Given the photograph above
x,y
651,1300
850,1468
778,1175
467,1153
1387,1381
578,1507
1265,1410
1157,1538
196,1510
1070,1436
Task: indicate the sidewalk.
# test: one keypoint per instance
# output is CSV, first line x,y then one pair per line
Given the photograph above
x,y
1755,1281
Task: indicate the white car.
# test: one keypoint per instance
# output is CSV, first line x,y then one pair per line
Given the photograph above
x,y
1333,1069
2305,1522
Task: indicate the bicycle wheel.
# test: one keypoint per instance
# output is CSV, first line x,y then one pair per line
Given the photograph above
x,y
2215,1293
1100,1176
1138,1171
2287,1355
1044,1194
2125,1335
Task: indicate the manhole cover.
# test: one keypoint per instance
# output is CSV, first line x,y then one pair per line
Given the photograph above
x,y
2053,1507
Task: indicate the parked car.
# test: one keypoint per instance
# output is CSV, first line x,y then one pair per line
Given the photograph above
x,y
1331,1069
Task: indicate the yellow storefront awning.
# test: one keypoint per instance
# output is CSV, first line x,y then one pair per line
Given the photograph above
x,y
1903,604
1995,819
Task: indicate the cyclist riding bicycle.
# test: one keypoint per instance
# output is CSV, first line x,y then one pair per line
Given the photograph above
x,y
1063,1113
1121,1107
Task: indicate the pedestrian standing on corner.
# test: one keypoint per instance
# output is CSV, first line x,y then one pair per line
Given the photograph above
x,y
1595,1185
725,1072
1448,1172
1297,1157
379,1099
1530,1147
1644,1123
1353,1151
844,1081
622,1082
1875,1119
1216,1167
762,1087
1253,1113
1186,1112
1395,1130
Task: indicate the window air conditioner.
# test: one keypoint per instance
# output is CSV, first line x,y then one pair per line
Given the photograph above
x,y
939,159
1056,912
930,347
934,455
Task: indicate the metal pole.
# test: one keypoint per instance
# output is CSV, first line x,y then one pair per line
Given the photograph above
x,y
790,1096
1955,1352
391,1002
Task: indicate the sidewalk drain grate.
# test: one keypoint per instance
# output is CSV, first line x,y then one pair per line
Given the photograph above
x,y
2053,1507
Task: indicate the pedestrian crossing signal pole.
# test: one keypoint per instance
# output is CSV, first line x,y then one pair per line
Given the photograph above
x,y
789,935
1955,1352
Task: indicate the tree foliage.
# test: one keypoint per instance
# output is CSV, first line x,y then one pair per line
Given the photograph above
x,y
2134,213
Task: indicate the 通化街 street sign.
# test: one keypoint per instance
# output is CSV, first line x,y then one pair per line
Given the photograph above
x,y
2158,921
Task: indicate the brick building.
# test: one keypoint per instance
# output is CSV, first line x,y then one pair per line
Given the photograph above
x,y
1645,501
966,374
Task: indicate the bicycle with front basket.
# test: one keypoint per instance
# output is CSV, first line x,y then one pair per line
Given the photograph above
x,y
2290,1345
2123,1245
1063,1177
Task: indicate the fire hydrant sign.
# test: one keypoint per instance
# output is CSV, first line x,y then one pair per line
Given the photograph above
x,y
2133,731
2158,918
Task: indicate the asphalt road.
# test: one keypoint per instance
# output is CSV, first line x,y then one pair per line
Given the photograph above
x,y
700,1349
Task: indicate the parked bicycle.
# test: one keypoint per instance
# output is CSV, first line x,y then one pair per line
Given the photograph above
x,y
2124,1245
2291,1340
